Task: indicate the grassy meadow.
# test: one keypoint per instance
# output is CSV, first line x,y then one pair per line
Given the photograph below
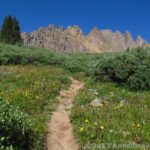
x,y
33,89
31,78
122,118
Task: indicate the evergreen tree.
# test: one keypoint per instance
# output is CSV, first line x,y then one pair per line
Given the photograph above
x,y
6,31
16,31
10,31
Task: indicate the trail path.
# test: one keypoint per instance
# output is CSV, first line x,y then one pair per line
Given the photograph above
x,y
60,134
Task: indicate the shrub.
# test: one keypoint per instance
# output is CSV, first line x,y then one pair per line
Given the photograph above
x,y
15,128
132,68
64,79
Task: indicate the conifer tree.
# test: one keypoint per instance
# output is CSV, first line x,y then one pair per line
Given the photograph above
x,y
6,30
16,31
10,31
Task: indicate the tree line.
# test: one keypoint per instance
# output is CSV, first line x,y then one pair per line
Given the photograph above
x,y
10,31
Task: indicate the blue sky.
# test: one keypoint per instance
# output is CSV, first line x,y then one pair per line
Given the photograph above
x,y
132,15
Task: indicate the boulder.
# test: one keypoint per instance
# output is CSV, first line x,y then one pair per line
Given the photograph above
x,y
97,102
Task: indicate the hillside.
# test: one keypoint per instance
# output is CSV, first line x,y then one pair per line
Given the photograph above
x,y
77,97
72,39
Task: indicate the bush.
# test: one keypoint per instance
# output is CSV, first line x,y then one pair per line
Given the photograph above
x,y
132,68
64,79
15,128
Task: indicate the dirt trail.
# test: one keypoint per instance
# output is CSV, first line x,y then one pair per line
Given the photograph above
x,y
60,134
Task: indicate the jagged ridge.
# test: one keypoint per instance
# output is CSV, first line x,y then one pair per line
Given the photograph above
x,y
73,39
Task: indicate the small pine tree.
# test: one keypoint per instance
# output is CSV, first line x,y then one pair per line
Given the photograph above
x,y
6,31
16,31
10,31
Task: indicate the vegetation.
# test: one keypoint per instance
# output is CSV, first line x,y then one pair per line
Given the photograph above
x,y
10,31
35,76
15,128
74,62
132,68
32,90
122,118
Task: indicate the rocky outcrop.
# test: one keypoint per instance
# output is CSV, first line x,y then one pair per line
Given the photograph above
x,y
73,39
118,42
129,43
140,42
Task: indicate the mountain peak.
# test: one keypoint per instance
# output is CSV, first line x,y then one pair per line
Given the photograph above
x,y
72,39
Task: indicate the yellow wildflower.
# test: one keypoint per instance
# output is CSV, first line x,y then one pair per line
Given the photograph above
x,y
101,127
86,121
95,123
121,105
138,125
81,129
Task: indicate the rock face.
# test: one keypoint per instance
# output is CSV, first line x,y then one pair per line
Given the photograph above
x,y
72,39
140,42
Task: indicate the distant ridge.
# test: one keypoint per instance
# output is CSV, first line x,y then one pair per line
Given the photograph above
x,y
72,39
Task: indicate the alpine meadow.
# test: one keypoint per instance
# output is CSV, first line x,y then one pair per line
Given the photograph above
x,y
61,89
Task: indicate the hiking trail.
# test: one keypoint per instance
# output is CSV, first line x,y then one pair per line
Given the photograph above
x,y
60,133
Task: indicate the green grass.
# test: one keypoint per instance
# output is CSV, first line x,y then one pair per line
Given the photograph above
x,y
74,62
33,90
34,84
122,119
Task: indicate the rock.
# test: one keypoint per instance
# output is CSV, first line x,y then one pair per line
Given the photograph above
x,y
97,102
72,39
140,42
26,38
108,38
129,43
74,31
96,39
118,42
93,91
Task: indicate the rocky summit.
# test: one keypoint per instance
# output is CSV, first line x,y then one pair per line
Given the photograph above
x,y
72,39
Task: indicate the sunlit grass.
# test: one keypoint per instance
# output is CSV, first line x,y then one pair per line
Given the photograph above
x,y
33,90
123,117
